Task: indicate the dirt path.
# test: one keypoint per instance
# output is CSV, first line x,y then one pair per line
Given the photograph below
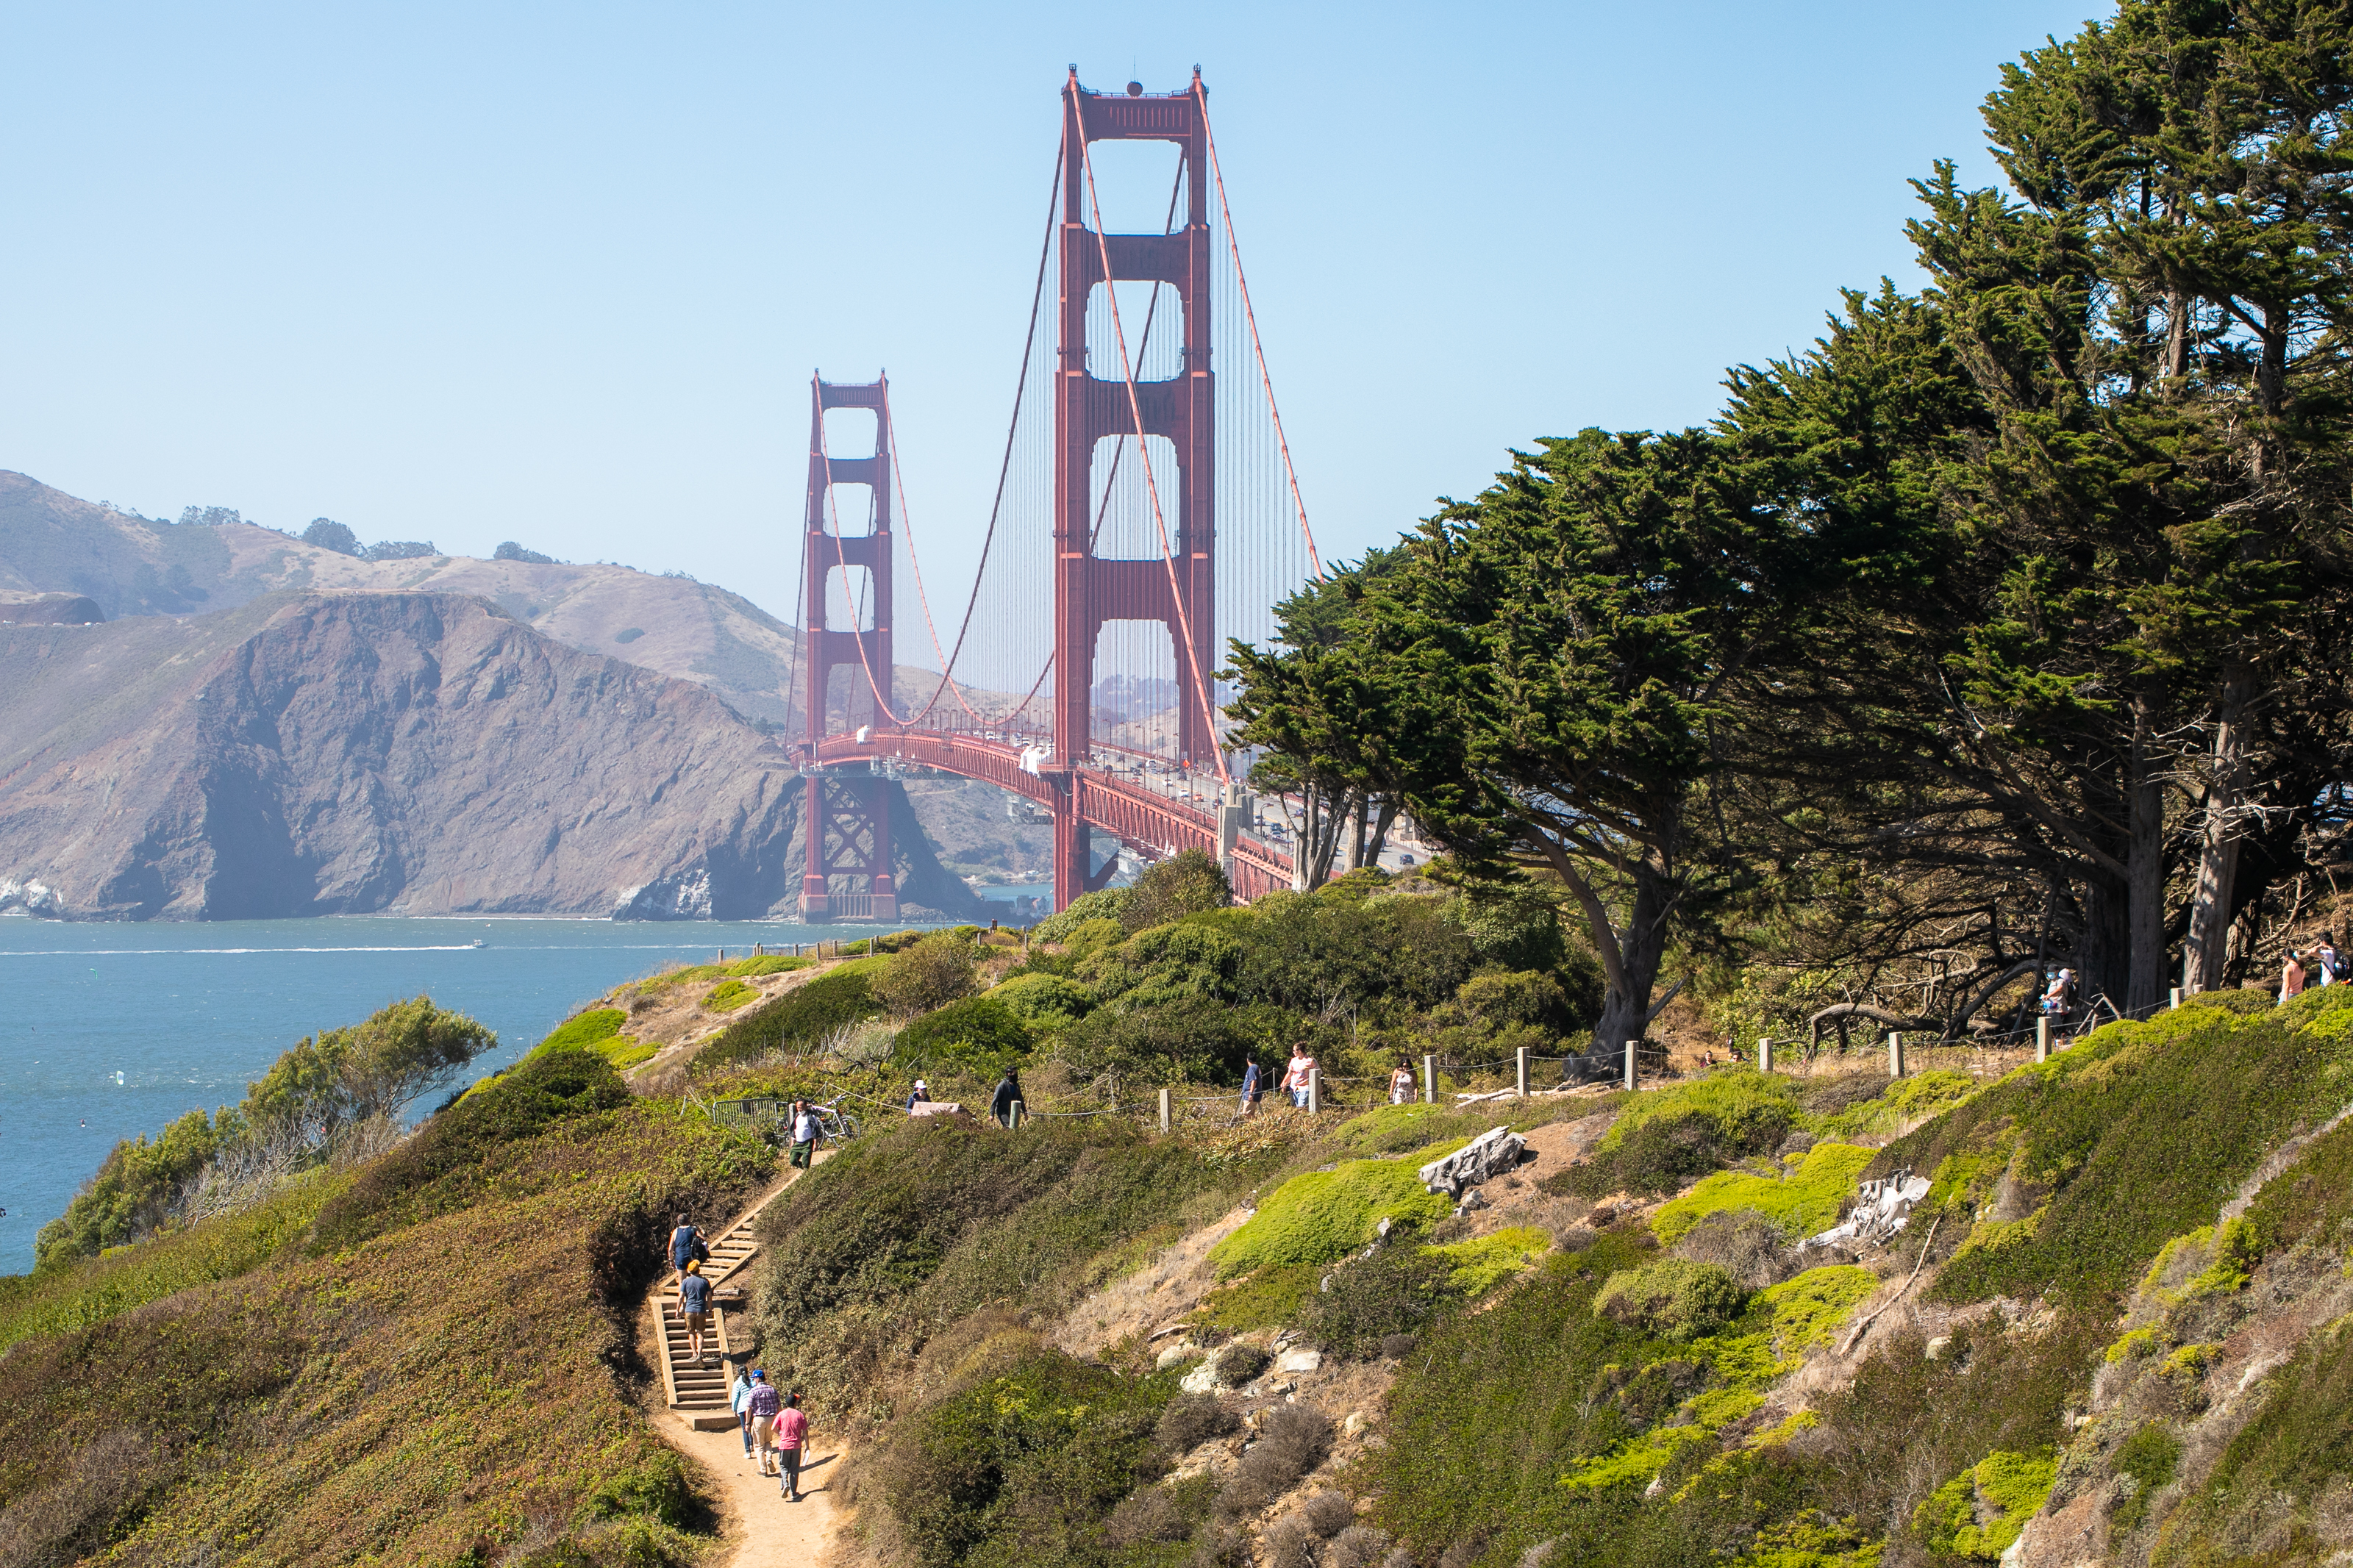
x,y
760,1527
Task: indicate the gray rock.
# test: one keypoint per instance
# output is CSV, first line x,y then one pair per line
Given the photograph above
x,y
1485,1158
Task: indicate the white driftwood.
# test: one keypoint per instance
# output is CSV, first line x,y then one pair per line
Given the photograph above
x,y
1485,1158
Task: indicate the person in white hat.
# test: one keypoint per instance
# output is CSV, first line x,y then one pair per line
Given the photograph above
x,y
922,1092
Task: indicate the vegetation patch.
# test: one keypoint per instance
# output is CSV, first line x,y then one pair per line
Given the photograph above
x,y
1264,1299
1323,1215
794,1020
1671,1299
1907,1102
2135,1136
728,995
768,964
1979,1512
1804,1201
1663,1138
583,1030
979,1037
1475,1267
1044,1001
2271,1478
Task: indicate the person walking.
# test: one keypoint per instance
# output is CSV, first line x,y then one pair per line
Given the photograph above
x,y
2332,964
739,1399
1005,1103
1401,1084
682,1244
761,1407
1294,1076
1253,1083
805,1131
2292,976
694,1306
792,1439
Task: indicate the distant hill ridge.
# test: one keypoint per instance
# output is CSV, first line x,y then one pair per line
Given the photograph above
x,y
52,542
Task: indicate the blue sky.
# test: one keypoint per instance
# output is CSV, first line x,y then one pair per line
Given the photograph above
x,y
560,274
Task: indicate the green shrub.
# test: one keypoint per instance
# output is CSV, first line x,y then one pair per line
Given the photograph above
x,y
134,1188
1909,1099
2132,1137
798,1017
2272,1475
61,1299
930,973
1397,1291
1664,1138
1267,1298
2004,1489
2312,1200
451,1159
1104,904
1325,1215
1401,1128
1044,1001
1803,1202
768,964
1187,883
728,995
583,1030
1671,1298
980,1037
655,1488
1006,1471
1475,1267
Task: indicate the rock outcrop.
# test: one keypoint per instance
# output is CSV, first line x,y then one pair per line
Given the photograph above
x,y
407,753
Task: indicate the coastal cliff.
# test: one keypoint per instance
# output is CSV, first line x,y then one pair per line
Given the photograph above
x,y
404,754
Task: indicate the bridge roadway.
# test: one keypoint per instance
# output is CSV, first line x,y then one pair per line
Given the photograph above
x,y
1141,818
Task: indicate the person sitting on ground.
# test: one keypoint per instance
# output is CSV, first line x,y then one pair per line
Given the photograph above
x,y
1005,1103
1294,1076
763,1407
694,1306
918,1094
739,1399
1401,1084
2292,976
792,1441
805,1128
682,1243
1253,1083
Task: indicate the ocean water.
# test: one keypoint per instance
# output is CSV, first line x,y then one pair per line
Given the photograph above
x,y
114,1030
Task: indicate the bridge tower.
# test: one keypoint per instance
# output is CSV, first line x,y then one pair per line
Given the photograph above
x,y
1093,415
847,820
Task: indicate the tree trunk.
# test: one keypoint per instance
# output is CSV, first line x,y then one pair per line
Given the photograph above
x,y
1381,825
2144,874
1641,946
2103,954
1357,834
2206,952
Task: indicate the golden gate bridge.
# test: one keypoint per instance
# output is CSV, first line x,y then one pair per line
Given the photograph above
x,y
1146,509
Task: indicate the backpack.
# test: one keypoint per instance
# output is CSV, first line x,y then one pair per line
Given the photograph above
x,y
701,1250
2340,968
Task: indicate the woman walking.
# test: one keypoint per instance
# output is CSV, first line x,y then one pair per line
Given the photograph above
x,y
792,1439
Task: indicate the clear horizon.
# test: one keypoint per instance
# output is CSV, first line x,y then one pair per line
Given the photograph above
x,y
562,277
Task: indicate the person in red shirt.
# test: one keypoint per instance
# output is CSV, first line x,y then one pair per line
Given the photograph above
x,y
792,1438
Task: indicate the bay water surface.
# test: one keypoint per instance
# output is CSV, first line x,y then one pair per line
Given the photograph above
x,y
112,1030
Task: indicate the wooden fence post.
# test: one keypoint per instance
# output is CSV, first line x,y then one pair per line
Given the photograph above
x,y
1165,1094
2042,1039
1314,1090
1895,1052
1629,1062
1520,1070
1430,1079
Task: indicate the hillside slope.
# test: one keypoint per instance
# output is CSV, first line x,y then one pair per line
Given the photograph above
x,y
409,754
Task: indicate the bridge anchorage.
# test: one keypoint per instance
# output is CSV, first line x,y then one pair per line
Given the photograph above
x,y
1120,544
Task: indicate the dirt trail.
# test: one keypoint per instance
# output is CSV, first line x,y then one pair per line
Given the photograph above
x,y
760,1528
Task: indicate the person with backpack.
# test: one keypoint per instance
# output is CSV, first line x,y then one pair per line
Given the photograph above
x,y
2334,966
1005,1103
761,1407
694,1306
792,1441
739,1400
686,1244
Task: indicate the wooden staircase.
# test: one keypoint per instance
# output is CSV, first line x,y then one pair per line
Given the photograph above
x,y
700,1392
